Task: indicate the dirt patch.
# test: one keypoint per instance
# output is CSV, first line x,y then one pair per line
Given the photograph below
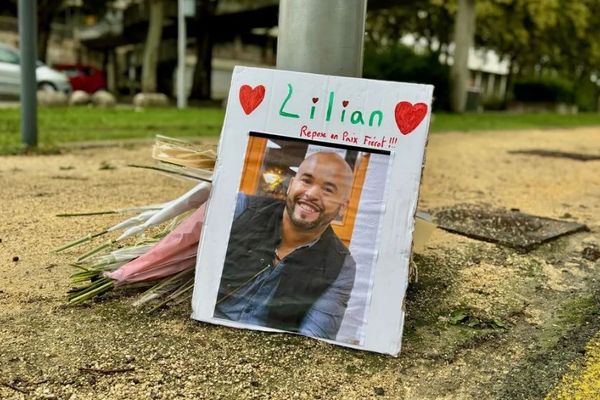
x,y
559,154
483,321
507,227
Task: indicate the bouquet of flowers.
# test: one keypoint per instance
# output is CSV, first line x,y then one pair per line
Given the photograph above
x,y
162,258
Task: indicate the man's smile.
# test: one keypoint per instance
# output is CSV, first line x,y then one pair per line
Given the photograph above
x,y
308,207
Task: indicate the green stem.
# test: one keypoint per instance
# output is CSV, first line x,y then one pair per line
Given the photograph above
x,y
94,251
83,276
89,294
84,239
86,213
80,267
171,297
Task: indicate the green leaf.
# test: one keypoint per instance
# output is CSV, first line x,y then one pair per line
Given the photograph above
x,y
458,316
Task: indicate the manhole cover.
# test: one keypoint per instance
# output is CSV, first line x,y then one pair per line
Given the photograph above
x,y
509,228
557,154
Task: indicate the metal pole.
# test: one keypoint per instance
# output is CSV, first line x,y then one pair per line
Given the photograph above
x,y
322,36
181,45
28,46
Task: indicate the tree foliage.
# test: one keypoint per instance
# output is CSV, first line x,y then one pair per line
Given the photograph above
x,y
538,37
561,35
400,63
430,22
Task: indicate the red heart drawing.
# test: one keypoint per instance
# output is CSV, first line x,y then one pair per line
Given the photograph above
x,y
251,98
344,103
315,99
409,116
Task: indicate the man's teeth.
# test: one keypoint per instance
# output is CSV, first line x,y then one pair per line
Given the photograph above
x,y
307,208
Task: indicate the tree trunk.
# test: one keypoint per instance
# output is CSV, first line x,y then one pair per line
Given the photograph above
x,y
47,10
150,62
464,32
42,44
201,86
509,81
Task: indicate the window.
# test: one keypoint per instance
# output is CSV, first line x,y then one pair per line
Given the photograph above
x,y
8,56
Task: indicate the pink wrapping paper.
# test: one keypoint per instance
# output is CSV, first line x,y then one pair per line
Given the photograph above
x,y
174,253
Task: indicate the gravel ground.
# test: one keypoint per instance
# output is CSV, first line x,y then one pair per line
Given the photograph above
x,y
532,314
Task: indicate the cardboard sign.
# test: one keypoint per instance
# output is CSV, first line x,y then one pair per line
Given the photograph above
x,y
309,224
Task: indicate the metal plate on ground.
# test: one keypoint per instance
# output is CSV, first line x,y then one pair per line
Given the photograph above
x,y
515,229
558,154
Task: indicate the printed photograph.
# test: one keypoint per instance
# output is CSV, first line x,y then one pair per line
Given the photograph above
x,y
303,243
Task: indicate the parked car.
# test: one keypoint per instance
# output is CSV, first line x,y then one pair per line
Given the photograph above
x,y
83,77
10,74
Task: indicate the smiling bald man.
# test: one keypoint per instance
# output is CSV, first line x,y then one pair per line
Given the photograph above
x,y
285,268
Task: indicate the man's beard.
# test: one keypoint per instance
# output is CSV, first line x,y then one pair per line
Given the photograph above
x,y
322,220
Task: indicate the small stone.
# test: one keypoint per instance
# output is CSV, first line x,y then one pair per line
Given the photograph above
x,y
142,100
255,383
590,253
566,215
15,258
154,395
79,98
102,98
51,98
106,166
379,391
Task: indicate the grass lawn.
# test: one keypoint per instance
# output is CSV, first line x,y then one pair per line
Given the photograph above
x,y
69,124
503,120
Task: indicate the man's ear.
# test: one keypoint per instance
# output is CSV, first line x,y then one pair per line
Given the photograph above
x,y
343,208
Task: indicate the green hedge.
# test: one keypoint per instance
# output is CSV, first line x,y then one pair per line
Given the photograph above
x,y
402,64
544,90
586,96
